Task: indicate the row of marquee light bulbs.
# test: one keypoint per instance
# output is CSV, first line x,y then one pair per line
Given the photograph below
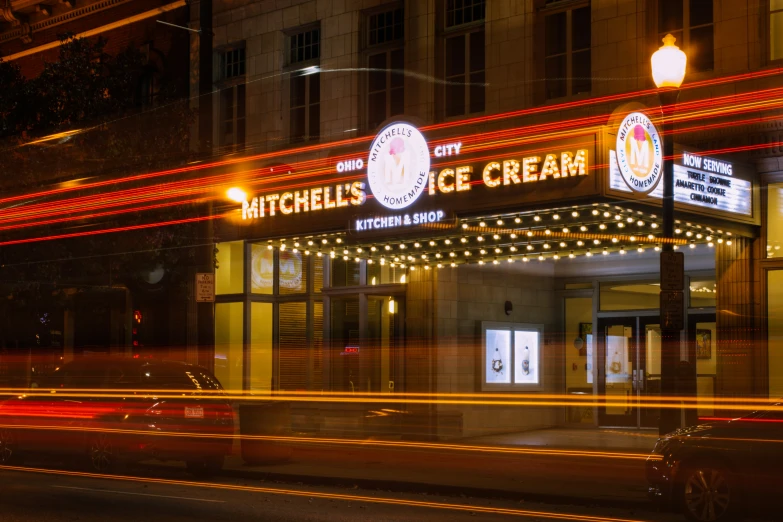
x,y
491,241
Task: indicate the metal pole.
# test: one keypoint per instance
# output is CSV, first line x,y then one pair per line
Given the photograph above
x,y
670,339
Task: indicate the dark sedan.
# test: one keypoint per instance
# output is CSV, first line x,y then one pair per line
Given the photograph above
x,y
110,411
721,470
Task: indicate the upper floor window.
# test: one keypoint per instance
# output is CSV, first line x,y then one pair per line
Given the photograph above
x,y
464,57
460,12
233,62
231,130
775,29
305,85
385,64
691,22
305,46
567,57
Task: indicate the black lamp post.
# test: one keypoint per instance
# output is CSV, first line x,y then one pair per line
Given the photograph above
x,y
668,69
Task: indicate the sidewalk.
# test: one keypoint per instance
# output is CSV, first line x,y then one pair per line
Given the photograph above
x,y
611,471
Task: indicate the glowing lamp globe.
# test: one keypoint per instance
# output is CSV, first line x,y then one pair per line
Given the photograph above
x,y
668,64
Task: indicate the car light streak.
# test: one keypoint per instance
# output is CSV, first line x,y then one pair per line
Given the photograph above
x,y
504,450
328,496
365,139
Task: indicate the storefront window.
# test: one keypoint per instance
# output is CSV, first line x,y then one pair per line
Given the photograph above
x,y
261,347
775,329
378,274
318,345
318,275
579,355
629,296
703,292
262,269
229,366
345,273
293,272
706,367
345,350
775,220
293,354
229,274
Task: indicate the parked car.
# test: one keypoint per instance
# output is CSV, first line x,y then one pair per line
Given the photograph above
x,y
722,470
115,410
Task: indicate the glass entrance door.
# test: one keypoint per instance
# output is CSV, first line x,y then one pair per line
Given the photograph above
x,y
628,353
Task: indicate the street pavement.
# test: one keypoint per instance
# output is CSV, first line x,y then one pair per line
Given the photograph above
x,y
29,494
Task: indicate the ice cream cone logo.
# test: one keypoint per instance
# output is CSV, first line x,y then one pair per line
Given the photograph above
x,y
398,165
639,153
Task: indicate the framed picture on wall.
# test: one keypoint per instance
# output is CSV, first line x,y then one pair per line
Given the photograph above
x,y
511,355
585,329
703,343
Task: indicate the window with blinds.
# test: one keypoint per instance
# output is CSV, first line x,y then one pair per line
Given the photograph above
x,y
292,328
318,346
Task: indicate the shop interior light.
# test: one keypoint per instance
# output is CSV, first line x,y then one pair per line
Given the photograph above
x,y
580,243
562,244
650,236
653,225
556,217
373,248
452,254
596,241
359,250
588,253
332,254
607,214
547,232
575,214
447,241
439,265
622,250
467,253
605,252
402,246
618,217
339,240
640,223
324,241
510,259
495,261
464,225
413,268
296,244
453,264
540,257
269,247
530,247
710,244
498,250
556,256
640,249
699,236
496,237
369,262
536,218
658,248
566,231
482,251
615,240
632,239
438,255
728,242
295,250
481,261
676,247
529,233
678,231
345,251
424,256
426,267
417,244
629,219
583,228
524,258
620,225
571,255
513,248
310,242
720,240
482,224
512,235
479,238
546,246
602,226
382,261
282,247
464,240
500,222
689,233
692,244
596,212
517,220
432,243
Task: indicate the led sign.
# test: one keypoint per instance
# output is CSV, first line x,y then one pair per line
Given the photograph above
x,y
318,198
403,220
699,181
450,149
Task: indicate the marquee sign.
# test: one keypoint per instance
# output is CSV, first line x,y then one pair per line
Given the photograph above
x,y
399,175
699,181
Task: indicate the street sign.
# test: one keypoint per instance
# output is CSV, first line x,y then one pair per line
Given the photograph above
x,y
672,271
205,288
672,310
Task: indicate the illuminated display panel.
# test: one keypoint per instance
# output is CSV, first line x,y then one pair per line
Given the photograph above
x,y
511,353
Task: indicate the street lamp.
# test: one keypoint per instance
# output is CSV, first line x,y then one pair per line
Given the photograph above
x,y
668,70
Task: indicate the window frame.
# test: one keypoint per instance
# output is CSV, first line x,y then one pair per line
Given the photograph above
x,y
290,71
466,29
386,48
236,86
768,32
684,42
567,7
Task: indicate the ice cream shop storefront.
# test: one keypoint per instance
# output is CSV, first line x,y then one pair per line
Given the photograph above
x,y
423,261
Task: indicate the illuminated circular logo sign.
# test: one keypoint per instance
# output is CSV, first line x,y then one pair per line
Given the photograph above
x,y
398,166
639,153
